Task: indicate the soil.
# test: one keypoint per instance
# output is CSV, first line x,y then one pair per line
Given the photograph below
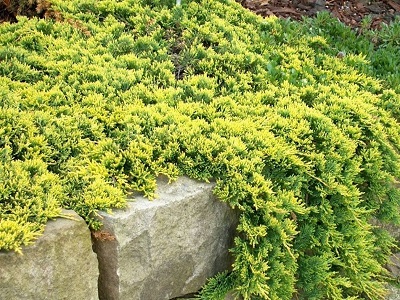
x,y
9,9
349,12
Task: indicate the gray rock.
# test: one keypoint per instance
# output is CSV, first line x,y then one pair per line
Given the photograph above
x,y
393,230
394,266
394,293
394,261
166,247
233,296
59,265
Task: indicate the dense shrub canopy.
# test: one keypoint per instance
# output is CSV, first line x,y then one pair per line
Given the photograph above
x,y
304,143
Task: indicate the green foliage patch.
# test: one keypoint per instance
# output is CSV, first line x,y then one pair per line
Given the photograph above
x,y
304,143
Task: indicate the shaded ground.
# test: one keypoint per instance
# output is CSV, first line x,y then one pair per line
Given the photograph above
x,y
349,12
9,9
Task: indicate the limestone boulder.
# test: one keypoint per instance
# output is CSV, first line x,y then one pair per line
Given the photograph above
x,y
167,247
393,293
394,266
59,265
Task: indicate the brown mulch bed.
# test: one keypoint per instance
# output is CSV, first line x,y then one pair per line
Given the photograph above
x,y
349,12
9,9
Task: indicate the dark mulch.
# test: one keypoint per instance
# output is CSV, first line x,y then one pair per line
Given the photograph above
x,y
9,9
349,12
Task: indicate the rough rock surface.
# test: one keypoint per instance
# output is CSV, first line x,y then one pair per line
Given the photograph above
x,y
394,269
59,265
166,247
394,293
394,264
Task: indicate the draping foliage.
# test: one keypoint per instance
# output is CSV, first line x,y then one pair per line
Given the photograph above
x,y
305,144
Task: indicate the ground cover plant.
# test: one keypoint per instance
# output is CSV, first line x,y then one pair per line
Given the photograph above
x,y
296,122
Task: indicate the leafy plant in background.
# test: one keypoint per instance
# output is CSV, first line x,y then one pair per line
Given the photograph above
x,y
303,143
